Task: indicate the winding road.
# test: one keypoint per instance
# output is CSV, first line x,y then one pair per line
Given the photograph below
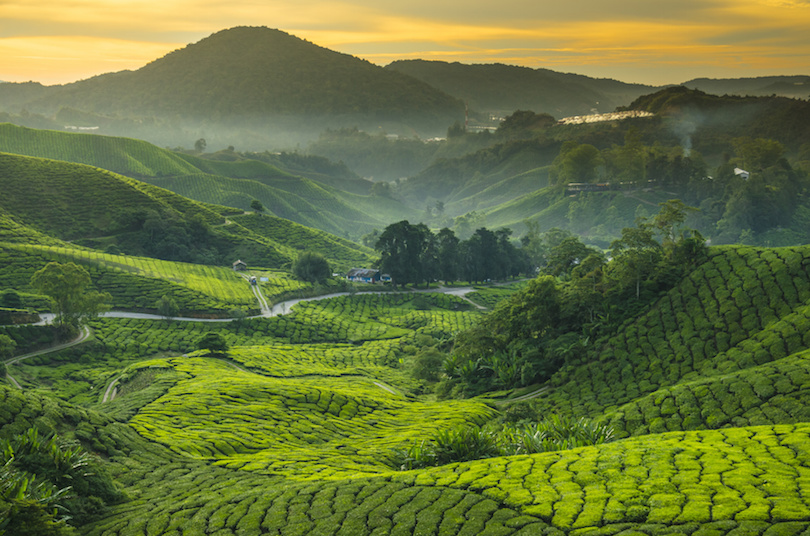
x,y
84,334
267,311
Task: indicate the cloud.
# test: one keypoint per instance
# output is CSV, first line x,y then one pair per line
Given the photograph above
x,y
630,36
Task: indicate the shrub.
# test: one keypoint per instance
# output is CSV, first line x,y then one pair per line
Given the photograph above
x,y
428,364
213,342
312,267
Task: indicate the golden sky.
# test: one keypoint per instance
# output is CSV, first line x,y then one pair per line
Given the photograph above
x,y
646,41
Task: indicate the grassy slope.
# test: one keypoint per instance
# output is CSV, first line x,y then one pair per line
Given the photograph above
x,y
299,238
315,203
294,443
134,283
698,357
62,199
297,199
46,197
550,209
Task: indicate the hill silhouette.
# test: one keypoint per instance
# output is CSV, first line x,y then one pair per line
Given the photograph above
x,y
502,89
259,78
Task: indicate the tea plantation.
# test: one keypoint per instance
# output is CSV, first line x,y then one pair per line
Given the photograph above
x,y
296,429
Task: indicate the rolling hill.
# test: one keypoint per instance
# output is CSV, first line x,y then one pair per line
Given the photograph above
x,y
501,89
304,189
706,389
62,200
264,82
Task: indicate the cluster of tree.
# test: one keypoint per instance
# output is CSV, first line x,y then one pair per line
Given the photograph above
x,y
735,206
170,236
413,254
579,295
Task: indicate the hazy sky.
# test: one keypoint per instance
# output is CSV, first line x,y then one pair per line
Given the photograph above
x,y
648,41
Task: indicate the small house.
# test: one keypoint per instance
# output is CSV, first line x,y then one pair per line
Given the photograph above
x,y
744,175
363,275
240,266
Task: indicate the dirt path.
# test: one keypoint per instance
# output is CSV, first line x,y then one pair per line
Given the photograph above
x,y
84,334
111,391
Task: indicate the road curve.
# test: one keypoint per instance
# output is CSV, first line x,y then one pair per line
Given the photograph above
x,y
84,334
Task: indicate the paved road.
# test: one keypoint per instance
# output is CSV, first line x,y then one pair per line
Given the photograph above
x,y
280,308
84,334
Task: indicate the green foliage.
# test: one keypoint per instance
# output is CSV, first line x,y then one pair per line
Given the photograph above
x,y
555,433
69,480
67,286
411,254
257,206
7,346
167,307
311,267
475,443
213,342
576,163
11,298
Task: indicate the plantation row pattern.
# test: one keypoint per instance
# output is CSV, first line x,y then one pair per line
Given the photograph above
x,y
742,308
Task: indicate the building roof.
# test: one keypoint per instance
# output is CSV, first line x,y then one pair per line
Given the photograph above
x,y
362,272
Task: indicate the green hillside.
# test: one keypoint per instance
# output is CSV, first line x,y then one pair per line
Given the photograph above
x,y
304,189
62,199
134,283
294,198
139,159
710,353
59,199
300,238
296,431
260,85
454,180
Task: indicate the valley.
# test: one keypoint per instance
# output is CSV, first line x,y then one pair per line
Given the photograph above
x,y
569,328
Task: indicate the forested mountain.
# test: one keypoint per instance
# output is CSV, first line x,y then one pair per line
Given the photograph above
x,y
688,147
501,89
785,86
267,83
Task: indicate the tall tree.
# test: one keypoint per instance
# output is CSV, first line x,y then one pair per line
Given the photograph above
x,y
67,286
402,249
635,256
447,243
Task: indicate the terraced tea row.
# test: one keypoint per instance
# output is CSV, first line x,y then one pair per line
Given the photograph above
x,y
750,481
303,428
773,393
741,308
134,282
